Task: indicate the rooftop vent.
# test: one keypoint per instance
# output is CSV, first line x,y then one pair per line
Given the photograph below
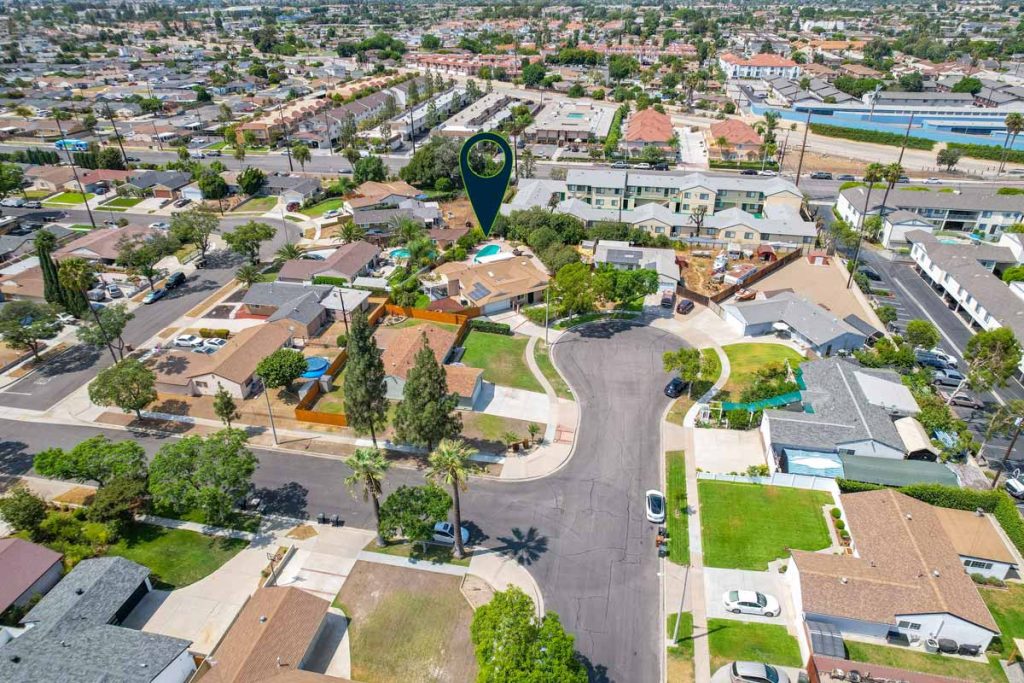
x,y
263,619
79,591
910,516
935,573
844,580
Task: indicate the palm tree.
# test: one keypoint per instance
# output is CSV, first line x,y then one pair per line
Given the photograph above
x,y
406,230
76,275
1014,126
349,232
421,251
722,143
872,174
287,252
248,275
891,174
450,464
368,469
300,152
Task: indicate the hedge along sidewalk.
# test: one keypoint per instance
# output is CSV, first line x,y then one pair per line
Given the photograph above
x,y
871,136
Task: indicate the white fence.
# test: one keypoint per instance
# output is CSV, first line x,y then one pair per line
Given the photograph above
x,y
795,481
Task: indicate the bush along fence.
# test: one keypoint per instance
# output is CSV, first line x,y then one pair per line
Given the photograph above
x,y
876,136
989,152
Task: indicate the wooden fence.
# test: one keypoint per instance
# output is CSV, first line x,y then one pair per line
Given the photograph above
x,y
433,316
718,297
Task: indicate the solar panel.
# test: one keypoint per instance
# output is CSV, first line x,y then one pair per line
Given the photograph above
x,y
478,292
825,640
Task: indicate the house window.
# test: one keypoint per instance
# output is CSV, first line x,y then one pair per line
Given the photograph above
x,y
599,202
748,235
202,385
703,195
977,564
909,625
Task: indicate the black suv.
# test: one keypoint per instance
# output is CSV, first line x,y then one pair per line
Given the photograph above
x,y
175,280
674,389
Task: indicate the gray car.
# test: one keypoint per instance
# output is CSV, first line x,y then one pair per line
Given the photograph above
x,y
948,377
756,672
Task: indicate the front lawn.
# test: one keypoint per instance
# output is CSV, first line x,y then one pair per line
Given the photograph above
x,y
502,358
320,208
1007,608
123,202
81,227
677,519
680,653
36,194
176,557
433,553
256,205
746,359
746,526
926,663
543,359
739,640
70,198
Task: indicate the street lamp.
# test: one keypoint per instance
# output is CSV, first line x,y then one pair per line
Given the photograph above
x,y
270,410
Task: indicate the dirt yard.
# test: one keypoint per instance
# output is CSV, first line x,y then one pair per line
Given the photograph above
x,y
824,285
459,212
698,270
407,625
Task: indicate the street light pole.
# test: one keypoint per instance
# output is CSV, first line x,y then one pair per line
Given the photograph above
x,y
117,134
803,148
1018,425
74,171
270,411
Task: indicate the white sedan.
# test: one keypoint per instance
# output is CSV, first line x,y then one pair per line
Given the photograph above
x,y
214,342
188,341
444,532
932,181
655,506
751,602
160,225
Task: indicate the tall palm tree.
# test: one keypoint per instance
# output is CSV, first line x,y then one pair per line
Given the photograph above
x,y
248,275
349,232
369,466
287,252
872,174
76,275
1014,126
406,230
891,175
450,464
1007,421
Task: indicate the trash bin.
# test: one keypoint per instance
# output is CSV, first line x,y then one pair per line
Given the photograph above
x,y
931,645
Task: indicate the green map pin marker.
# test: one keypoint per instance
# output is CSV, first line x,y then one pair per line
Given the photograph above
x,y
485,194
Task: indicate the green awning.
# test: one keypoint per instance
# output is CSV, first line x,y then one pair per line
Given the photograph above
x,y
891,472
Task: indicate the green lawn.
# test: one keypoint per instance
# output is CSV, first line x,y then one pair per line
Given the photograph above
x,y
678,516
1007,608
175,556
82,227
746,526
36,194
502,358
923,662
256,205
746,359
123,202
680,654
434,554
70,198
323,207
712,370
543,359
240,521
738,640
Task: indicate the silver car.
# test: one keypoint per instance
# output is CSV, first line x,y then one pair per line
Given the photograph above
x,y
756,672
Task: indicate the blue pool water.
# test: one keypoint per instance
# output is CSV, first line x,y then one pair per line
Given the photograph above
x,y
316,366
489,250
574,115
399,253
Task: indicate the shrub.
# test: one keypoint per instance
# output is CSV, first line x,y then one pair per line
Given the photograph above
x,y
489,327
329,280
342,340
23,510
990,152
61,526
845,535
98,534
840,524
836,513
534,314
850,486
219,333
875,136
977,578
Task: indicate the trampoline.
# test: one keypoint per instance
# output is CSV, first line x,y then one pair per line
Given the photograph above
x,y
315,367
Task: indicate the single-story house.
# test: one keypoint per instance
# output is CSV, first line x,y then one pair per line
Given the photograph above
x,y
101,245
398,352
897,224
233,366
373,195
74,632
981,545
906,576
382,221
192,192
492,287
98,178
623,256
163,184
298,304
806,323
292,188
273,639
50,178
28,569
348,261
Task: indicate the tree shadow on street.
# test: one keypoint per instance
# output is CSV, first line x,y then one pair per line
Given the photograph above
x,y
289,499
596,673
523,547
15,460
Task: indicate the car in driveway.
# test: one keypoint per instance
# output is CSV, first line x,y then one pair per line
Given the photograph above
x,y
444,532
756,672
684,306
114,292
962,399
675,387
668,299
205,350
98,294
160,225
155,296
188,341
214,342
1015,487
751,602
654,506
947,377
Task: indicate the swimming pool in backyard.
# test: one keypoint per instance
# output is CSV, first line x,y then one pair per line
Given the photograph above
x,y
316,366
489,250
399,253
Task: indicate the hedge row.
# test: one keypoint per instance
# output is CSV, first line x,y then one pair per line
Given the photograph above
x,y
994,501
990,152
489,327
876,136
212,333
329,280
756,165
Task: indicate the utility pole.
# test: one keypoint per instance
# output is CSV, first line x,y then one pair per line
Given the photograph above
x,y
803,148
270,411
1018,424
287,139
906,138
74,172
117,134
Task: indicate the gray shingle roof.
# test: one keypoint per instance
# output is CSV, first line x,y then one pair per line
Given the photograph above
x,y
967,199
812,321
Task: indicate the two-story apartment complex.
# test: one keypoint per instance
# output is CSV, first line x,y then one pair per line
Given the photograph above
x,y
760,66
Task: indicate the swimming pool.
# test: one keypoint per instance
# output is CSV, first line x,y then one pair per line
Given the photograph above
x,y
489,250
574,115
316,366
399,253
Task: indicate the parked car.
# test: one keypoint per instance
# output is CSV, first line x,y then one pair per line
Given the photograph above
x,y
110,224
188,340
655,506
332,213
98,294
756,672
748,171
660,166
444,532
932,181
751,602
931,360
821,175
175,280
870,273
184,201
67,319
620,164
114,292
205,350
668,299
32,204
155,296
292,206
947,377
160,225
215,342
100,191
684,306
675,387
962,399
949,359
13,202
196,154
846,177
642,166
768,173
1014,487
903,179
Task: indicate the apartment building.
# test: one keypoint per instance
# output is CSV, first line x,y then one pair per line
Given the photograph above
x,y
567,121
760,66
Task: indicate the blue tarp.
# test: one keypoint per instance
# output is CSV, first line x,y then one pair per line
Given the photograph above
x,y
773,402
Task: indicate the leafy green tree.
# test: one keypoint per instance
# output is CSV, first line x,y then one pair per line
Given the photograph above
x,y
512,644
369,168
992,358
450,464
369,467
213,186
1006,420
247,238
688,363
110,158
248,275
224,406
301,154
107,330
624,286
948,158
886,313
251,180
45,243
141,254
968,84
196,227
203,473
23,510
412,512
366,403
533,74
426,414
24,325
118,501
11,177
127,384
574,289
96,459
1013,274
922,334
281,368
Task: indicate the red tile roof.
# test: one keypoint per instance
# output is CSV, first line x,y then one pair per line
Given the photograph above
x,y
649,125
736,132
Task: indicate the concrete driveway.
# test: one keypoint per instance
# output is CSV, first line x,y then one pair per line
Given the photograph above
x,y
322,563
517,404
718,581
728,450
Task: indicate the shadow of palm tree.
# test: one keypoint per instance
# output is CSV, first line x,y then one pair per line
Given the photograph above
x,y
525,548
596,673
